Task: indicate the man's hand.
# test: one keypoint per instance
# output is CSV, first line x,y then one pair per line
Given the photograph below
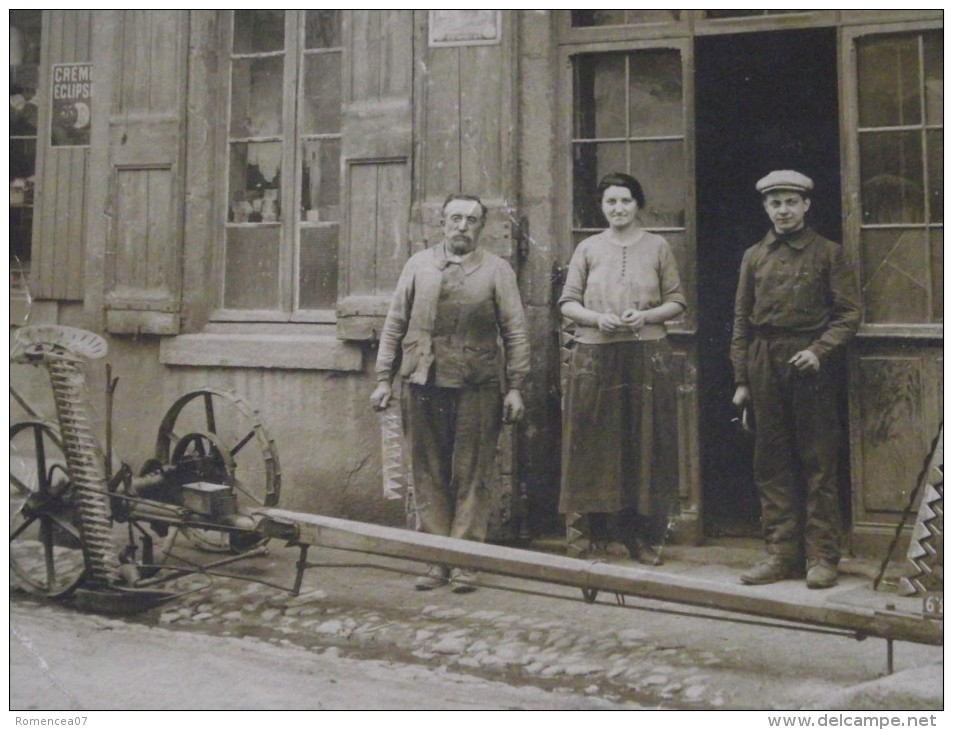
x,y
513,407
805,361
741,397
609,322
380,398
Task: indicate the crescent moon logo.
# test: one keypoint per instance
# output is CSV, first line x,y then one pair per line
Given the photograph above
x,y
82,115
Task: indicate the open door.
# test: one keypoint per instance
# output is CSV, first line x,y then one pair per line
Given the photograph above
x,y
764,101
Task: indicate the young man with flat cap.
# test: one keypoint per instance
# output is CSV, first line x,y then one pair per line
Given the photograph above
x,y
796,308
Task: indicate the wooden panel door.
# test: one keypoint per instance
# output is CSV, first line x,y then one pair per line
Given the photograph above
x,y
145,72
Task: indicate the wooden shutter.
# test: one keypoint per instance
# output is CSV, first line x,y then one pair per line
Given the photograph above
x,y
143,223
377,151
59,228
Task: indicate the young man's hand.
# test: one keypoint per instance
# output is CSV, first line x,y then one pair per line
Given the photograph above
x,y
806,362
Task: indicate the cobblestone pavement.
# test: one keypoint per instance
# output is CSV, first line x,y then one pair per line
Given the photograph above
x,y
534,634
615,665
646,658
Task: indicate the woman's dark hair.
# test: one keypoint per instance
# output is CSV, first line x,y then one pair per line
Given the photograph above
x,y
623,181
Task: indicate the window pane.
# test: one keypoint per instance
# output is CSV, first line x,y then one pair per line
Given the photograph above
x,y
22,171
933,61
889,81
686,269
258,31
655,93
635,17
600,96
251,267
660,168
21,233
586,18
24,77
321,98
936,267
590,163
935,174
257,97
254,182
321,181
895,280
716,14
322,29
891,173
318,267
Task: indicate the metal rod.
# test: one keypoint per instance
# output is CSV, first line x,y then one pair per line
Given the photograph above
x,y
177,572
361,537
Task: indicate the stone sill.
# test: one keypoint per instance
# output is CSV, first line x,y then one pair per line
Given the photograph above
x,y
267,351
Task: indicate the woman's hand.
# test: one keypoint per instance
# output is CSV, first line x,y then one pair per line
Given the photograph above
x,y
633,318
609,322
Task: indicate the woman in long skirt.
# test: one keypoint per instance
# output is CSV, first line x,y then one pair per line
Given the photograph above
x,y
619,461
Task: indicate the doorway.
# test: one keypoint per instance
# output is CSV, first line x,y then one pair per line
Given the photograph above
x,y
764,101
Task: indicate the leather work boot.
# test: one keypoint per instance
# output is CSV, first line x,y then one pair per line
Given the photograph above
x,y
770,570
644,552
463,581
822,574
436,576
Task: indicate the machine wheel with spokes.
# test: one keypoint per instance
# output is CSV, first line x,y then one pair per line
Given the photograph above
x,y
221,432
46,546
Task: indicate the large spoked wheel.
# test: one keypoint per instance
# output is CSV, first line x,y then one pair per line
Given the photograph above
x,y
46,548
226,435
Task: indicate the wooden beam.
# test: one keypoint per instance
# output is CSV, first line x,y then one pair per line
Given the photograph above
x,y
331,532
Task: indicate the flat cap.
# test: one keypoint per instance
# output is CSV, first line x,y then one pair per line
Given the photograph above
x,y
784,180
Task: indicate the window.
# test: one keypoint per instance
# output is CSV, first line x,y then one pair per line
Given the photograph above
x,y
280,258
629,114
722,14
24,76
628,117
589,18
900,140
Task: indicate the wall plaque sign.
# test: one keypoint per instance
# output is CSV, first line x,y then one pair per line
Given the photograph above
x,y
464,27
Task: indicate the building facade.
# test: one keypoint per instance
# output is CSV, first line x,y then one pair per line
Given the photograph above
x,y
229,197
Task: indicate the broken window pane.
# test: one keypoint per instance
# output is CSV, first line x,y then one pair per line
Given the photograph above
x,y
254,190
895,280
